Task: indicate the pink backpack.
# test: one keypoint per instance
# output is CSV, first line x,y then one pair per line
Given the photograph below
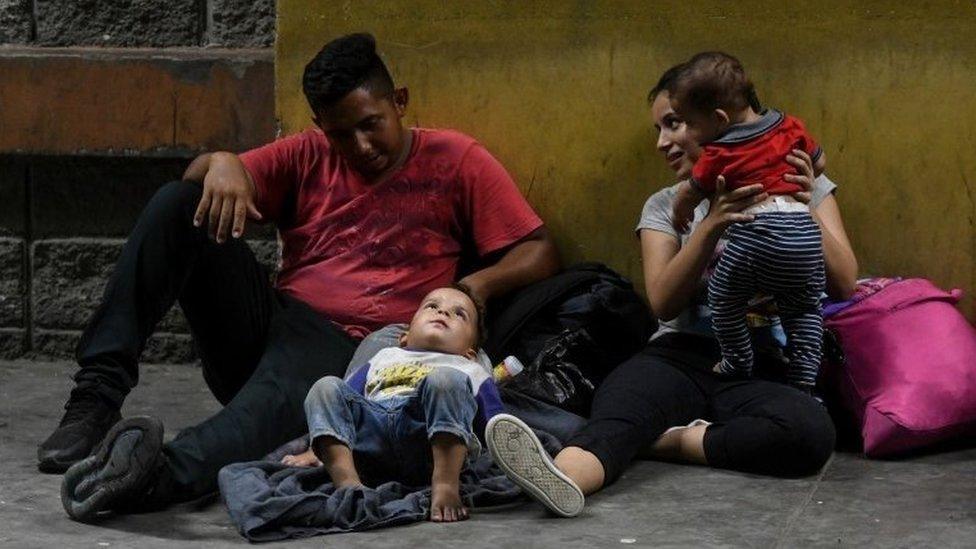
x,y
907,369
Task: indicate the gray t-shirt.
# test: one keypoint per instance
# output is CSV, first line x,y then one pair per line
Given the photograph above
x,y
697,317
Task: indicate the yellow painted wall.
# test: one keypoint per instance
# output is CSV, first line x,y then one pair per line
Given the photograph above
x,y
556,91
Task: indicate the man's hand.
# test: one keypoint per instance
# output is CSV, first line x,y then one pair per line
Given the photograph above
x,y
477,288
228,197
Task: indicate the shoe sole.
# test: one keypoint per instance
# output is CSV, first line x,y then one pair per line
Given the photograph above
x,y
117,477
518,452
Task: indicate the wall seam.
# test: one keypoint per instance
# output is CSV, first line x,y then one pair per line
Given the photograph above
x,y
32,4
205,10
29,254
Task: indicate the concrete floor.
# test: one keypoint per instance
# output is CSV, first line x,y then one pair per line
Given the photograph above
x,y
927,501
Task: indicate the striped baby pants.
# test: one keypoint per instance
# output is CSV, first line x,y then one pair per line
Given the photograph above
x,y
778,254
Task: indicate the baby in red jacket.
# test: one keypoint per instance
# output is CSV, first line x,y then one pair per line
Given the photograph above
x,y
779,253
711,94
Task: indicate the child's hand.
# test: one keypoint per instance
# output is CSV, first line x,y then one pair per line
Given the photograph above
x,y
305,459
682,217
685,202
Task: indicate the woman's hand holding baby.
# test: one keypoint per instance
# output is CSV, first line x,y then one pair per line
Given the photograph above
x,y
804,175
726,207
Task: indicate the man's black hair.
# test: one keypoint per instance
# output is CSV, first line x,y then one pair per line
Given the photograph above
x,y
343,65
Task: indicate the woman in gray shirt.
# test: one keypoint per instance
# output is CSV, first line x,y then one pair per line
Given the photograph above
x,y
665,401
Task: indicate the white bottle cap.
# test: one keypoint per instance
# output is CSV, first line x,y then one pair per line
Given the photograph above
x,y
513,365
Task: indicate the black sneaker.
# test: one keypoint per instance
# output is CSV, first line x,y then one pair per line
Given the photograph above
x,y
87,418
123,468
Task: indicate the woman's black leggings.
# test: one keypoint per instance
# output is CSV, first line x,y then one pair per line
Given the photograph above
x,y
757,426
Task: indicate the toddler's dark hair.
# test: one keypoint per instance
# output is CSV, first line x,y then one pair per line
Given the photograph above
x,y
343,65
712,80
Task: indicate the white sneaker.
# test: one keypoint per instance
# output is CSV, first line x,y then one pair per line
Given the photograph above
x,y
518,452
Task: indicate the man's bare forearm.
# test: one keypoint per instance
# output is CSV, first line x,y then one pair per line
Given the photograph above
x,y
533,258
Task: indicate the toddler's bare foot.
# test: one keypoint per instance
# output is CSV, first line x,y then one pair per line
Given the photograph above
x,y
445,503
338,461
305,459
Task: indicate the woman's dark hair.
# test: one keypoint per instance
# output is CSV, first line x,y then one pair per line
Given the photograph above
x,y
665,82
343,65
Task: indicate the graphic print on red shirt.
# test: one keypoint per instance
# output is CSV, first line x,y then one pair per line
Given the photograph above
x,y
365,254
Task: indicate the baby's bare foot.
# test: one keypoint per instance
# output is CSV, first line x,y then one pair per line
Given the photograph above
x,y
306,459
445,503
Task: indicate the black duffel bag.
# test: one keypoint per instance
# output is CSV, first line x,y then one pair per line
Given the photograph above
x,y
569,331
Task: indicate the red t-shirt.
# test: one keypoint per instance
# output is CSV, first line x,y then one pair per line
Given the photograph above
x,y
755,153
365,255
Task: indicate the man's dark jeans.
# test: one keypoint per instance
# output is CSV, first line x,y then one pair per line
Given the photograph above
x,y
261,350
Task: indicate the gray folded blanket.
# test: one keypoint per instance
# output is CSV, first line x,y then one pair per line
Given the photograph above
x,y
269,501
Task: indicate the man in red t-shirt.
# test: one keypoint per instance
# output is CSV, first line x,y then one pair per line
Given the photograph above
x,y
372,216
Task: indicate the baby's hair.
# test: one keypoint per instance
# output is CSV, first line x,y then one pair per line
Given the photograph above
x,y
479,309
713,80
668,78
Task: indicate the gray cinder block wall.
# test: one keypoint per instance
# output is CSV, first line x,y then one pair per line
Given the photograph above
x,y
138,23
63,219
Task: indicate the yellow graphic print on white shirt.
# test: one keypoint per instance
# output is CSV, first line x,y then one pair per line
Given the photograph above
x,y
399,378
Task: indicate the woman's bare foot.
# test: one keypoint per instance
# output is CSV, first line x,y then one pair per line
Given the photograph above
x,y
305,459
684,443
445,503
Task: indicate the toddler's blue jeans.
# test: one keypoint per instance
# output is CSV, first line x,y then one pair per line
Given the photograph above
x,y
390,436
